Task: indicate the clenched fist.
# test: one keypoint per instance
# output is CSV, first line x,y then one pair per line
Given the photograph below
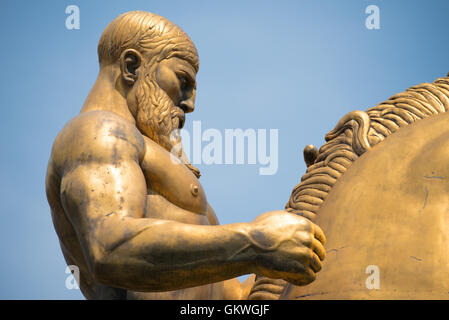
x,y
288,247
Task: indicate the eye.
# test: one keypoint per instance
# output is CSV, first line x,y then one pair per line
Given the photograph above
x,y
186,80
183,81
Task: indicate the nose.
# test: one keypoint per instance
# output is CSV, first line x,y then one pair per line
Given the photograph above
x,y
188,105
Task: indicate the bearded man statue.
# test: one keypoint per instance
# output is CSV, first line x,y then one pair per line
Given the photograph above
x,y
138,224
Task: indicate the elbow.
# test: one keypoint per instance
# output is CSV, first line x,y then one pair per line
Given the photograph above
x,y
113,271
106,270
106,264
101,268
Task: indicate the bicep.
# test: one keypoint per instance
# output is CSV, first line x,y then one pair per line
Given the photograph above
x,y
97,189
95,196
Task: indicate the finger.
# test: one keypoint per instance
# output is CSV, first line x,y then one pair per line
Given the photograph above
x,y
319,234
315,263
318,248
306,214
306,277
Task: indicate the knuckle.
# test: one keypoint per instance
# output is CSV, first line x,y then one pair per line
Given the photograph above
x,y
307,239
310,256
307,256
305,224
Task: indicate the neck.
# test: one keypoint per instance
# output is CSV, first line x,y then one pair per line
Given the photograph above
x,y
108,94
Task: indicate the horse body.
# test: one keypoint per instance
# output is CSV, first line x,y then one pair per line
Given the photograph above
x,y
388,215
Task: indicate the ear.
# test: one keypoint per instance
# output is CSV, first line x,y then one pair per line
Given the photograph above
x,y
130,61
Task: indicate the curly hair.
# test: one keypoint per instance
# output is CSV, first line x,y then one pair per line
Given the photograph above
x,y
154,36
357,132
353,135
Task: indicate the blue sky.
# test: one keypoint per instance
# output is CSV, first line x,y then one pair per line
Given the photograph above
x,y
295,66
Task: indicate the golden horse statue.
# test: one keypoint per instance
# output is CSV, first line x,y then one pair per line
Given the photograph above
x,y
379,188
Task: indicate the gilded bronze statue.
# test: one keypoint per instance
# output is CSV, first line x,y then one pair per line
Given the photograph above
x,y
132,215
137,223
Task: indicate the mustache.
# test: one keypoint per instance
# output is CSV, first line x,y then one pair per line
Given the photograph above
x,y
178,116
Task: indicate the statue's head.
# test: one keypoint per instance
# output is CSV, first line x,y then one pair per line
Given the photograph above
x,y
158,65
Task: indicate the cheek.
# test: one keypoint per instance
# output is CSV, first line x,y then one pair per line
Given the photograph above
x,y
168,82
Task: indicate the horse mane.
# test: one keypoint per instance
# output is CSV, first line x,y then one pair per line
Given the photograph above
x,y
359,131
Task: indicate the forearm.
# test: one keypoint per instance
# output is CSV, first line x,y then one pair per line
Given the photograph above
x,y
165,255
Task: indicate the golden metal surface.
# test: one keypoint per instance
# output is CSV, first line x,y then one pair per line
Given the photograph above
x,y
378,188
137,224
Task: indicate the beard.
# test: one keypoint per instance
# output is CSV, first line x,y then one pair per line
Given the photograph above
x,y
160,120
157,116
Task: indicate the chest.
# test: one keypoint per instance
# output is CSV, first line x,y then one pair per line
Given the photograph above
x,y
171,179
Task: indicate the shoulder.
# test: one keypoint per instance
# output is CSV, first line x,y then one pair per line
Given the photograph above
x,y
98,136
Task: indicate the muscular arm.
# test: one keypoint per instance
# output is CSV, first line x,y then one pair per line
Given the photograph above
x,y
103,193
232,289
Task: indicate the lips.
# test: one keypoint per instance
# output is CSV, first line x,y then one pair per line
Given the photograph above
x,y
178,117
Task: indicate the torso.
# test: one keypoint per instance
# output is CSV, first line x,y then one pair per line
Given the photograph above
x,y
174,193
171,184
